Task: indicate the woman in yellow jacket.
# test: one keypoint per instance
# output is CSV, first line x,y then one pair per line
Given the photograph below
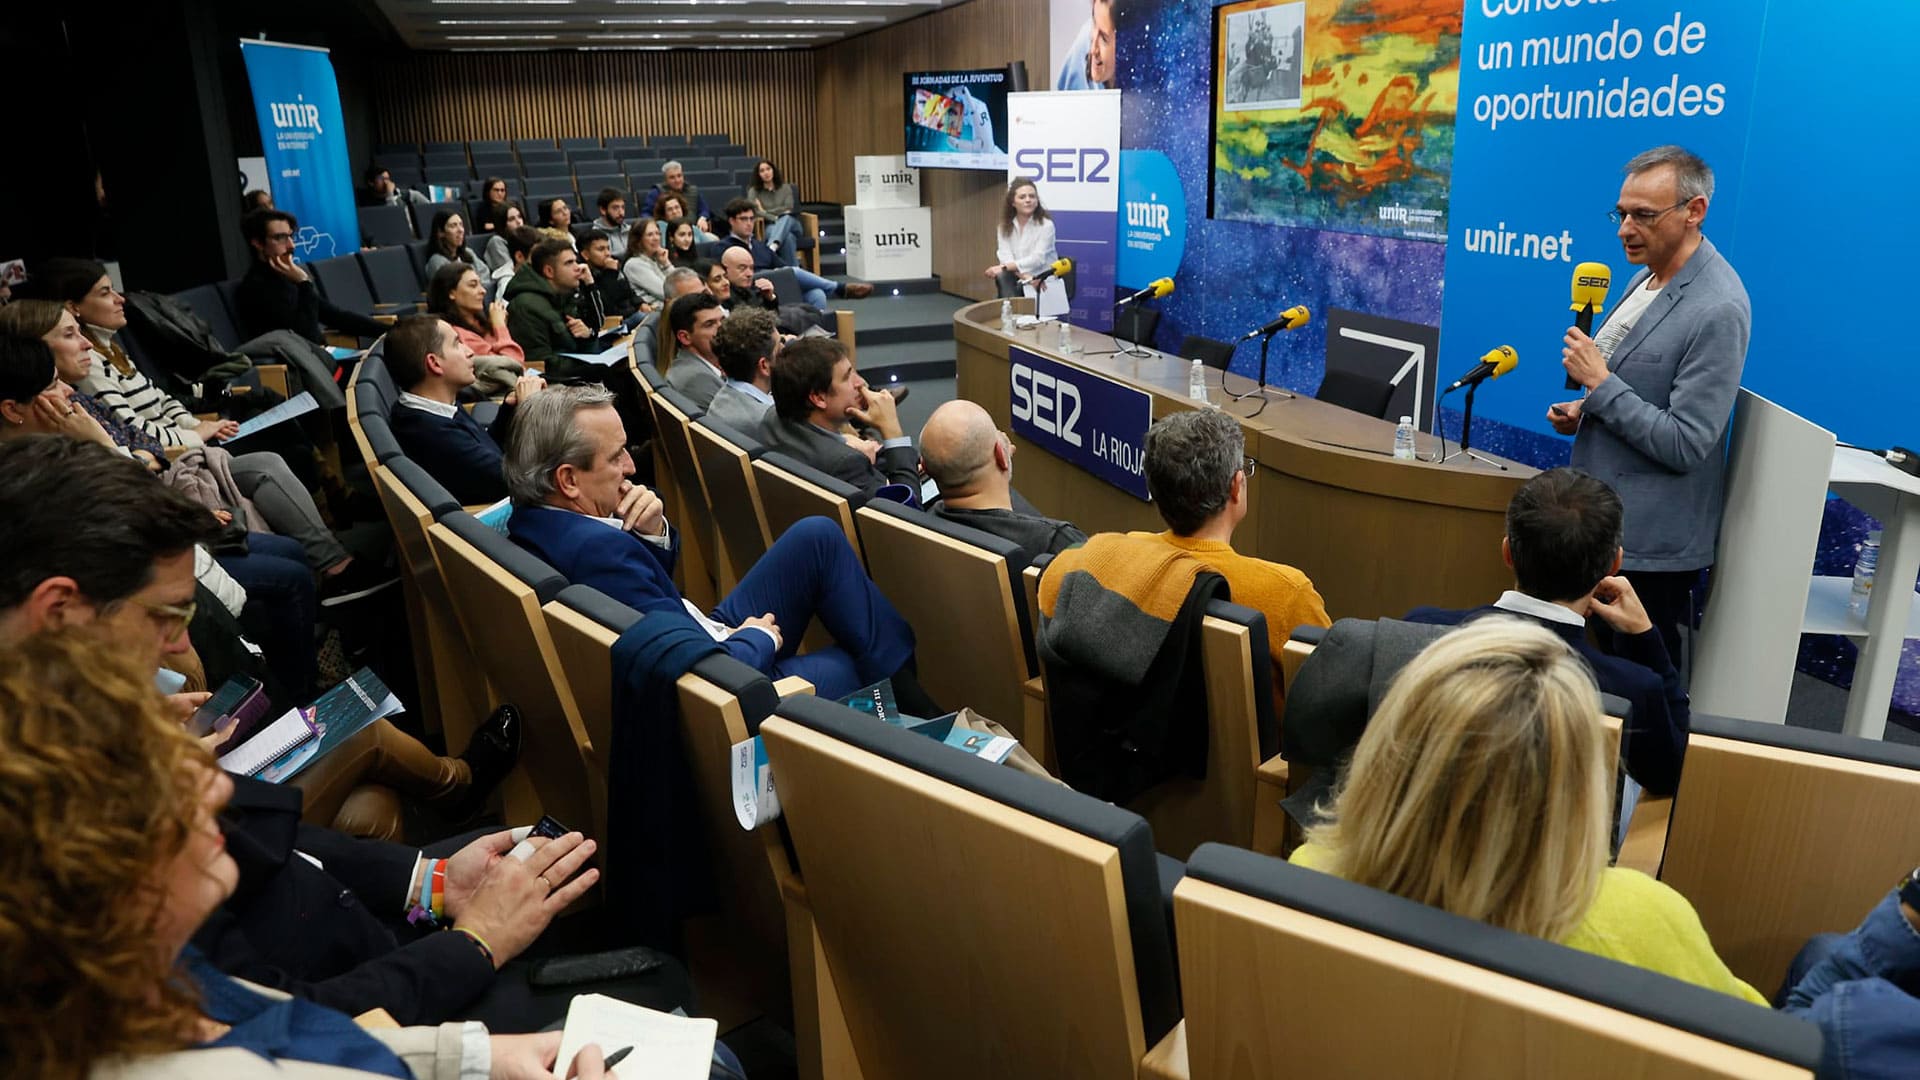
x,y
1483,787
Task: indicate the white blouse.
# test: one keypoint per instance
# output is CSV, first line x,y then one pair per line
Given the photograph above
x,y
1029,247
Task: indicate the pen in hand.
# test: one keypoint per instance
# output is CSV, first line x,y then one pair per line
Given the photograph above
x,y
618,1056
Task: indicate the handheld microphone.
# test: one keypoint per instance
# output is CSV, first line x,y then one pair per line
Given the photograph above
x,y
1591,280
1159,290
1058,266
1497,362
1293,318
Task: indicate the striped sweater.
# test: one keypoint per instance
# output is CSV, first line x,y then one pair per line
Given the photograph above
x,y
132,398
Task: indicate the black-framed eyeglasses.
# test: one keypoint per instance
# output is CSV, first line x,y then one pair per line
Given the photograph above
x,y
1643,218
1248,465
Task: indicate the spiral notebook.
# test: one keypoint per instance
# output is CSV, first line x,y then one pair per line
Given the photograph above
x,y
266,746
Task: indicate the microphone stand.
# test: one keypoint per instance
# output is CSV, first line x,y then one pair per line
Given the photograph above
x,y
1266,341
1466,433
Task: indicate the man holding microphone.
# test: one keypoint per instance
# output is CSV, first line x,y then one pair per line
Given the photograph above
x,y
1660,377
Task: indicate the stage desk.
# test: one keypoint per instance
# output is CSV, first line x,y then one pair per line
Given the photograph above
x,y
1377,535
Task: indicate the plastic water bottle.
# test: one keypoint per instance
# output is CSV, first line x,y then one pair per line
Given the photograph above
x,y
1006,316
1066,337
1403,439
1863,569
1197,381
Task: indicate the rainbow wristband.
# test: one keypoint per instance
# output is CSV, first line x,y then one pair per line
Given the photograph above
x,y
439,904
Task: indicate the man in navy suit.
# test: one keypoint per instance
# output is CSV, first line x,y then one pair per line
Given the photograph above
x,y
574,507
1563,543
427,359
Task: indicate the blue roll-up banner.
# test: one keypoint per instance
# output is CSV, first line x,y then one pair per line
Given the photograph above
x,y
1069,145
1096,424
297,104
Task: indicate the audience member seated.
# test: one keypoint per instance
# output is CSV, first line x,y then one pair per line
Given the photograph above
x,y
92,541
556,220
647,264
814,288
151,420
543,305
447,242
776,206
815,390
431,363
1483,787
574,507
276,600
972,462
493,196
607,287
678,282
1197,475
1859,988
502,220
380,190
457,295
613,223
683,239
714,273
673,181
255,200
277,294
516,247
745,345
128,860
696,371
1563,543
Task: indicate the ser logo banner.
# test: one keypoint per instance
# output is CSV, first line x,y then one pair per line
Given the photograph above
x,y
1095,424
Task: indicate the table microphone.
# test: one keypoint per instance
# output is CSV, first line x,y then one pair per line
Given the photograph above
x,y
1591,280
1497,362
1057,267
1293,318
1159,290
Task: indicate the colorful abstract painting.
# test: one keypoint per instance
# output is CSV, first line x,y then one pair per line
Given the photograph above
x,y
1336,114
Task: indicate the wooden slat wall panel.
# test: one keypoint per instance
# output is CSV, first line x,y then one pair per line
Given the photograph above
x,y
764,99
861,111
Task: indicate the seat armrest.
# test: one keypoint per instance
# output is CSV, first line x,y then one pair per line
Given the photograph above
x,y
792,684
1311,635
1646,843
1168,1060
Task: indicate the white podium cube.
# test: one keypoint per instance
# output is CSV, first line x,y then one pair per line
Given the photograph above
x,y
889,244
885,181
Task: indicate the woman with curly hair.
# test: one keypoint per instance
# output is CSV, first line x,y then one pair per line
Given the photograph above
x,y
115,859
1025,240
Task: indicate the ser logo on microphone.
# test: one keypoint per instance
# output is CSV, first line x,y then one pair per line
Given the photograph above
x,y
1590,282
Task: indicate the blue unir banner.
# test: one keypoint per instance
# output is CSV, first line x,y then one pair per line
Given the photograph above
x,y
297,104
1096,424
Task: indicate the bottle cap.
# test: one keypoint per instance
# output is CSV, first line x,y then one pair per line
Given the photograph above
x,y
1406,419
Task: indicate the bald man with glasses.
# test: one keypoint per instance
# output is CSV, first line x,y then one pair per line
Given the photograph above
x,y
1660,376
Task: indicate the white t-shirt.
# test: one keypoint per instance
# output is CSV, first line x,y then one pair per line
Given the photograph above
x,y
1621,322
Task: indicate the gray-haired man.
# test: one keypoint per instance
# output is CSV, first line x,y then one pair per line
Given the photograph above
x,y
1661,374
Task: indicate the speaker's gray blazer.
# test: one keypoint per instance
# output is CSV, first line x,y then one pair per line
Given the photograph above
x,y
1656,430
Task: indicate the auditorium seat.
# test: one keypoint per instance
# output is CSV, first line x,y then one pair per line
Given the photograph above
x,y
706,577
447,175
1366,394
725,458
710,140
539,145
718,181
791,490
666,140
383,226
959,589
644,171
381,151
1282,967
495,163
977,921
344,285
531,155
205,301
580,143
622,143
390,270
1828,821
405,174
477,147
592,183
445,146
453,694
693,162
735,163
497,590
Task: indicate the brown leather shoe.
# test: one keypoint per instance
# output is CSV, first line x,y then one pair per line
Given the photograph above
x,y
858,290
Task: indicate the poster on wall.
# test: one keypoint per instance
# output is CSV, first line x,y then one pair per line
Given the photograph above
x,y
1083,38
1069,145
297,104
1553,105
1336,114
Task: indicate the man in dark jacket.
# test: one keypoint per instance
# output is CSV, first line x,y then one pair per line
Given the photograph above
x,y
972,461
815,390
277,294
431,366
543,310
607,285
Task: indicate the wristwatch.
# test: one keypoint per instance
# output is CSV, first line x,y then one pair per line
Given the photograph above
x,y
1910,889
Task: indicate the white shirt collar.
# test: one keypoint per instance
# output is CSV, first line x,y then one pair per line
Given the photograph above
x,y
1522,604
751,391
441,409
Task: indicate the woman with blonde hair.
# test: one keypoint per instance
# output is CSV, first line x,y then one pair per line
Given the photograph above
x,y
117,860
1482,786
